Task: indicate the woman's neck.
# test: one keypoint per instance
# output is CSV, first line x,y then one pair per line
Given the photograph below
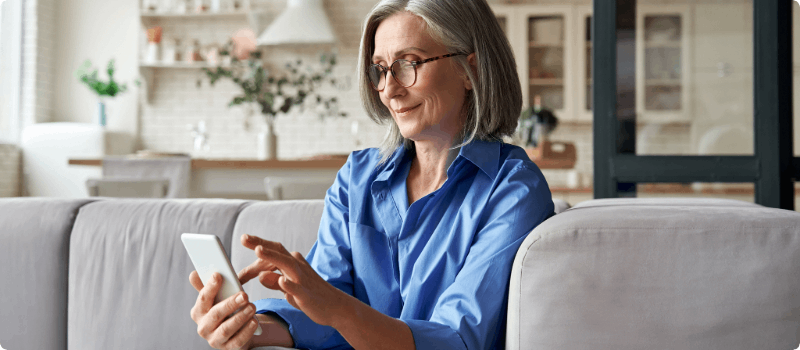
x,y
428,168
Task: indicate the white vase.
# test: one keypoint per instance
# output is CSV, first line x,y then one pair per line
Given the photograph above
x,y
153,54
267,143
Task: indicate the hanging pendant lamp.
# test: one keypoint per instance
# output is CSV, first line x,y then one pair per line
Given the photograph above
x,y
303,22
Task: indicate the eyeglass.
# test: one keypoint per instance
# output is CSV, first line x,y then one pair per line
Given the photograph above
x,y
404,72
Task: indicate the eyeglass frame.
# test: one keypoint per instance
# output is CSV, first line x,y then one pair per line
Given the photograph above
x,y
414,64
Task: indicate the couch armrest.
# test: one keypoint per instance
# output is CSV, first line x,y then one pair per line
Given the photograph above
x,y
634,274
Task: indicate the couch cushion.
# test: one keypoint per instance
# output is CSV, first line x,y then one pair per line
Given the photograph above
x,y
129,273
648,274
34,252
293,223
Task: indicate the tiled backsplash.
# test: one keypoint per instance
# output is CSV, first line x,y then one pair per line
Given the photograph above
x,y
10,162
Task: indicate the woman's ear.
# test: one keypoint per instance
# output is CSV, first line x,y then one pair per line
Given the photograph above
x,y
474,66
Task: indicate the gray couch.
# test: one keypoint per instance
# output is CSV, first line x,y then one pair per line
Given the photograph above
x,y
606,274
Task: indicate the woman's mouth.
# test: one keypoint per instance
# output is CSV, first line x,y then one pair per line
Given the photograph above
x,y
403,111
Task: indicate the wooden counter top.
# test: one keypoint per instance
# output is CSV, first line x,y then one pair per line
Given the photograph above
x,y
335,163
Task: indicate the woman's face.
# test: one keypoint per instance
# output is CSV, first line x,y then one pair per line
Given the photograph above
x,y
431,108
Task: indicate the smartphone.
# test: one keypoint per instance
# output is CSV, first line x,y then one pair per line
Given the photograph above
x,y
208,256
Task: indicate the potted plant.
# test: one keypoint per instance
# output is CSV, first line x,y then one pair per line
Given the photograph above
x,y
274,92
88,76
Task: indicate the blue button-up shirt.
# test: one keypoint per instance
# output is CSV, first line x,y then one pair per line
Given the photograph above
x,y
442,264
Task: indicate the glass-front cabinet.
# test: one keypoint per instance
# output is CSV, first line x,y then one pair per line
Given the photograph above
x,y
553,48
543,40
662,63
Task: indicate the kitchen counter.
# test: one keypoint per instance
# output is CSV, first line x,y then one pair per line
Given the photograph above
x,y
332,163
244,178
310,163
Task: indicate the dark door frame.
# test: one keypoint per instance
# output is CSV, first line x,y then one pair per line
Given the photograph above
x,y
773,167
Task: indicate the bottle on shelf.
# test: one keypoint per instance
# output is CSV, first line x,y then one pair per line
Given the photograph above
x,y
193,54
149,6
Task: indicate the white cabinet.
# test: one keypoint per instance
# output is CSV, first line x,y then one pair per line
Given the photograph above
x,y
663,41
543,39
553,49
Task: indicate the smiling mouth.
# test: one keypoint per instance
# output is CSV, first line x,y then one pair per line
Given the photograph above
x,y
406,110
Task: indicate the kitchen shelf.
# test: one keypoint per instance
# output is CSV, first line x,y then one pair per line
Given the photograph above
x,y
179,65
222,14
149,71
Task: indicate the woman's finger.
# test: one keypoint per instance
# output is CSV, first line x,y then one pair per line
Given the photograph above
x,y
252,270
242,336
252,242
288,286
217,315
270,280
228,328
284,262
194,279
205,299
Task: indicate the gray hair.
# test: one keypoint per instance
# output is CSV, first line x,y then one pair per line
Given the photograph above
x,y
463,26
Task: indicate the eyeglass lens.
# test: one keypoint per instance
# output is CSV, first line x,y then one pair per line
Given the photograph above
x,y
403,73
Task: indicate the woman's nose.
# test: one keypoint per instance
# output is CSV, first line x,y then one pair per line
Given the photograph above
x,y
392,88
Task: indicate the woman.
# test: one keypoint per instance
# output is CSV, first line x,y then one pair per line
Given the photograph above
x,y
417,238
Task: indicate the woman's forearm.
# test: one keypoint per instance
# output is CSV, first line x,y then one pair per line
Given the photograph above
x,y
366,328
274,332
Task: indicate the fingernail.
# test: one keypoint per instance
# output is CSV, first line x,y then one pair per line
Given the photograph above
x,y
240,299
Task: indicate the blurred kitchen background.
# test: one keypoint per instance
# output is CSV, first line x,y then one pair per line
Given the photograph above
x,y
692,82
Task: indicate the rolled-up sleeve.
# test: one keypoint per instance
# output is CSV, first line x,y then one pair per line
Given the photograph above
x,y
470,313
331,258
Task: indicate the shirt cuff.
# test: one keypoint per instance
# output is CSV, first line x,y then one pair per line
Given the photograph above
x,y
306,333
432,335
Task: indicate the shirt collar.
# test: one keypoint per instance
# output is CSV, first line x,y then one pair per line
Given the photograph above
x,y
392,164
484,154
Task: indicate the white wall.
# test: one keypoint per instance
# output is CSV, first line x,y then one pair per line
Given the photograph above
x,y
98,31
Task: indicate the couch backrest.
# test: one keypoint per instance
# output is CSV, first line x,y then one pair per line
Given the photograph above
x,y
34,248
129,273
638,274
292,223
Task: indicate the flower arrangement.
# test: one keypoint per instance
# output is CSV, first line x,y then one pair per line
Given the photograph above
x,y
101,88
275,93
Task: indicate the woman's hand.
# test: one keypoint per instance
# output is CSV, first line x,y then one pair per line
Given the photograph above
x,y
221,333
302,286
